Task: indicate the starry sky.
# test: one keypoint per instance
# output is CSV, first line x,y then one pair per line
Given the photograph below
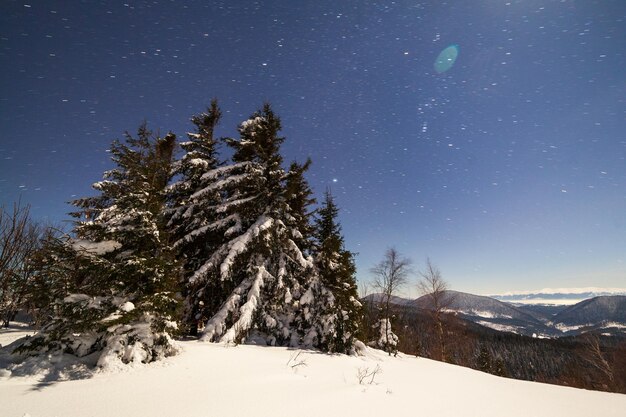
x,y
505,164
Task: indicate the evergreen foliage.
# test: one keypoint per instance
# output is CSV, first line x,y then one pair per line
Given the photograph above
x,y
499,367
299,198
115,282
197,228
387,339
337,273
236,240
49,276
484,360
260,266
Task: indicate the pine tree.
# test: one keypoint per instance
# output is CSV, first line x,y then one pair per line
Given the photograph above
x,y
119,299
299,199
337,273
499,367
260,266
484,360
387,339
197,228
316,318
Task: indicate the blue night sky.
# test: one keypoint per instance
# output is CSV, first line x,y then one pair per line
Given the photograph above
x,y
507,169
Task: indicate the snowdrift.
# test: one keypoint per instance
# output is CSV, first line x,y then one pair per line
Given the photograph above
x,y
218,380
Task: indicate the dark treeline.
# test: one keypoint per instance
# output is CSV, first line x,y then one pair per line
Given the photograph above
x,y
587,361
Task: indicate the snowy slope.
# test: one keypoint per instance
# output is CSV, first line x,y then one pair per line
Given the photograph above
x,y
13,332
595,310
217,380
605,313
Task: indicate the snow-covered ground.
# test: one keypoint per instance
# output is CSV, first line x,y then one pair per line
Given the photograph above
x,y
13,332
217,380
480,313
499,327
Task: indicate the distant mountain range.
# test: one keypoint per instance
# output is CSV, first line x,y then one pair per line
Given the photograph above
x,y
605,314
557,296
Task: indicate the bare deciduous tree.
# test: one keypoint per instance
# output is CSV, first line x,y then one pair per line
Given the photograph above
x,y
592,354
19,237
435,288
364,289
390,275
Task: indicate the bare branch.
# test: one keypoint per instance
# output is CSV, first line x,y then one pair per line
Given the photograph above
x,y
363,289
592,354
390,275
19,237
363,373
435,288
295,361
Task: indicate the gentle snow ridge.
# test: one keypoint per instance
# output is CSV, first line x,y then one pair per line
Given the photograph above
x,y
209,379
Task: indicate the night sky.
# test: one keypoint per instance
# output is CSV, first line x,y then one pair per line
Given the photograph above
x,y
505,163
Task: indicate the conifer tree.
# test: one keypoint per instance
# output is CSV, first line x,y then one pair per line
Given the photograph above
x,y
484,360
260,266
337,273
315,318
119,299
299,197
499,367
54,272
387,339
197,228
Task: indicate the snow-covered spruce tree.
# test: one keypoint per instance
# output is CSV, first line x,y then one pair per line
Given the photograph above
x,y
120,303
315,319
387,339
336,270
299,198
260,265
196,226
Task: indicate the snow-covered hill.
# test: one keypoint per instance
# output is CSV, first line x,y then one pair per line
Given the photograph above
x,y
491,313
605,313
216,380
